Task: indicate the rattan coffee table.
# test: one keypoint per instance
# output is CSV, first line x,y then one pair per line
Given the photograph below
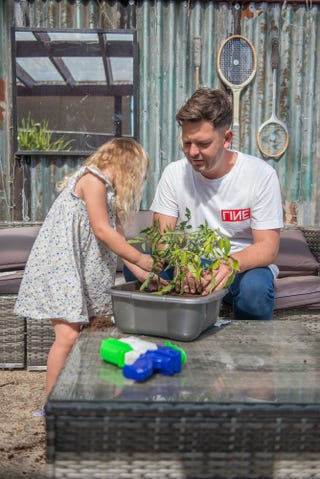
x,y
246,405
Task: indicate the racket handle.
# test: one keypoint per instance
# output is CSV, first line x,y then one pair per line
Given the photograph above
x,y
275,53
236,137
197,51
197,58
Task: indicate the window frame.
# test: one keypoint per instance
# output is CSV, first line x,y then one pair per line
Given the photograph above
x,y
108,88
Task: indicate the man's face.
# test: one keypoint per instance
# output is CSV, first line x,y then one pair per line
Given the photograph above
x,y
205,146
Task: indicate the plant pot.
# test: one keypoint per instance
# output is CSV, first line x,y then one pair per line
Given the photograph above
x,y
175,317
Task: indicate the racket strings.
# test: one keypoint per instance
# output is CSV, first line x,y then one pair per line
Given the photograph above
x,y
272,139
237,61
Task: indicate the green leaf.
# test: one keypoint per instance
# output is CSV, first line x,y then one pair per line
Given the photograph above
x,y
36,136
183,249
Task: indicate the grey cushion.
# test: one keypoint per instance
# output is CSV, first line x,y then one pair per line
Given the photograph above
x,y
10,281
295,292
294,257
15,246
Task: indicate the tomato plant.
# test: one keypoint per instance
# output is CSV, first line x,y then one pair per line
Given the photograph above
x,y
198,251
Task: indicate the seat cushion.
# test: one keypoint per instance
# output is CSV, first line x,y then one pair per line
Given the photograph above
x,y
294,257
15,246
295,292
10,281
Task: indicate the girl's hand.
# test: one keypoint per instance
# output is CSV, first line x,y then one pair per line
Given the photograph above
x,y
141,275
146,263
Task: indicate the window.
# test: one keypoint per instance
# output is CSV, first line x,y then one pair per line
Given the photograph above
x,y
74,89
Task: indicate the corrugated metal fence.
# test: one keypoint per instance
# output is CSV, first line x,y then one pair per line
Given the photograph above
x,y
166,32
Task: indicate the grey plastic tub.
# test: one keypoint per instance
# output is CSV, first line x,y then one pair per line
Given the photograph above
x,y
181,318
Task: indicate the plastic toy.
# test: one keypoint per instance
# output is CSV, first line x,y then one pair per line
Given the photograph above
x,y
140,359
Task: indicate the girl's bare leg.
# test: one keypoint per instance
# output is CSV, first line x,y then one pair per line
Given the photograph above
x,y
66,335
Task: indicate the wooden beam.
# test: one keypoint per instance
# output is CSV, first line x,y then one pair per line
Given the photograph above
x,y
77,90
72,49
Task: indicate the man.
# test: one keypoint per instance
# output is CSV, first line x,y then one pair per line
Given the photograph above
x,y
232,191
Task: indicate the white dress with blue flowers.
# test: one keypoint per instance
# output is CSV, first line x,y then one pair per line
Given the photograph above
x,y
69,271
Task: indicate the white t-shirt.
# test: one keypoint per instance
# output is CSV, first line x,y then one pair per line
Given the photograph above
x,y
246,198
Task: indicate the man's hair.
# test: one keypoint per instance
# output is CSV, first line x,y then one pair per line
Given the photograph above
x,y
209,105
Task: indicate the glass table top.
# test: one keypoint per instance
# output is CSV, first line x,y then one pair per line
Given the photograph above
x,y
274,362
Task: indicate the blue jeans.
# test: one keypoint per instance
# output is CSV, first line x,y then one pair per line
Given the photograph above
x,y
251,294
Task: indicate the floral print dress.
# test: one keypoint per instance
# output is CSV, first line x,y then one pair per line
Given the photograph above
x,y
69,271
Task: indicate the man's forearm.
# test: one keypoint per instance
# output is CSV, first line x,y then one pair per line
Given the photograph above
x,y
255,256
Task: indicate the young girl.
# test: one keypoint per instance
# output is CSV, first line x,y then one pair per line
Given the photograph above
x,y
72,264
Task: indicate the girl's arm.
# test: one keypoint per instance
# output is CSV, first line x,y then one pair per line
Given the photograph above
x,y
139,273
93,192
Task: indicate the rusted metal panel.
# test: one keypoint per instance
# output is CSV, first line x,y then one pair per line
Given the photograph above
x,y
297,102
6,131
40,175
167,77
296,26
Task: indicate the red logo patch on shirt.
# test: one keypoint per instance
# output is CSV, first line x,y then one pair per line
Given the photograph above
x,y
235,215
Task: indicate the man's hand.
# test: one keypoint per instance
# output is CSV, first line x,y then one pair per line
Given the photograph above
x,y
222,274
190,285
203,286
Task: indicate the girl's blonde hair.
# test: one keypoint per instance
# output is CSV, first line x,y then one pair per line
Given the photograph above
x,y
128,165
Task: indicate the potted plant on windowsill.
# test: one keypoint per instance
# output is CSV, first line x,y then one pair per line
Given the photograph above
x,y
33,136
165,313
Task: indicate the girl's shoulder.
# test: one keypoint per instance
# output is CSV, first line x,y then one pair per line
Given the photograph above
x,y
89,169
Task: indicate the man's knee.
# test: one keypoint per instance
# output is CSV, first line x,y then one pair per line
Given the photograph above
x,y
254,295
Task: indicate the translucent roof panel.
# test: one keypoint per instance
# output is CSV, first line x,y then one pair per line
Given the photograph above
x,y
73,37
40,69
122,69
74,58
86,69
25,36
119,37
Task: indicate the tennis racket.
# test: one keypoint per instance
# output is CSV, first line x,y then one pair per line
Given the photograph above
x,y
237,65
272,136
197,58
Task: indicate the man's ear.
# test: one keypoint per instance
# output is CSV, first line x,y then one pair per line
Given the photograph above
x,y
228,138
180,140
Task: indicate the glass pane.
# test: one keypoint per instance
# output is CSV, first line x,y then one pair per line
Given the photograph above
x,y
25,36
87,69
40,69
122,37
73,37
122,69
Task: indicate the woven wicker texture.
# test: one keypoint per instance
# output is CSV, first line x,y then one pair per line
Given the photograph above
x,y
12,335
312,235
174,465
40,336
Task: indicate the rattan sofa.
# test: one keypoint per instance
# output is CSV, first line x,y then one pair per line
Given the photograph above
x,y
24,343
312,235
